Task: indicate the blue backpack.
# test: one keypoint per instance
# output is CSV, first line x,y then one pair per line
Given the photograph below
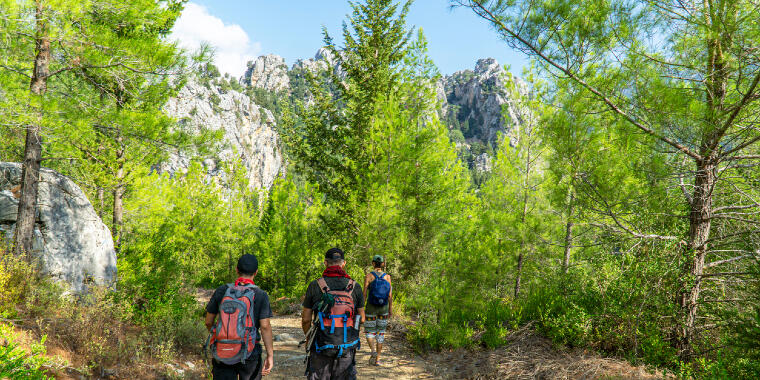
x,y
379,290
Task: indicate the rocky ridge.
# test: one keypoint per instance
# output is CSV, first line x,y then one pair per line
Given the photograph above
x,y
473,102
269,72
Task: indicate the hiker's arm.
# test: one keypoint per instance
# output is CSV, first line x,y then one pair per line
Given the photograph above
x,y
361,312
266,335
367,280
390,297
210,320
306,320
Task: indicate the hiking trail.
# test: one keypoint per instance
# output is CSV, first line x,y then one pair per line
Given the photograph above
x,y
527,356
399,361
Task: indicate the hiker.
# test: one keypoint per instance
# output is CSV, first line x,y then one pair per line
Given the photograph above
x,y
333,309
379,307
245,310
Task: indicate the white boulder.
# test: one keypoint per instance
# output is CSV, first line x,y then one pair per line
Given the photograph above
x,y
70,241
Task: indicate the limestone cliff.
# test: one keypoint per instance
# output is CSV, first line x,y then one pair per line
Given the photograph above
x,y
248,131
478,98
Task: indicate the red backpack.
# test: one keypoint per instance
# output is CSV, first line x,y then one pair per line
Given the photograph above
x,y
233,338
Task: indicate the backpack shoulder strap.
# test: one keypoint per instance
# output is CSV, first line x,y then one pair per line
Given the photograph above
x,y
375,274
323,285
383,275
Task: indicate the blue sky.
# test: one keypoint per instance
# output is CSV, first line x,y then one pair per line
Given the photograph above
x,y
244,29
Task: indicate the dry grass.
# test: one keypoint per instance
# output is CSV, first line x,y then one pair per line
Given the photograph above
x,y
530,356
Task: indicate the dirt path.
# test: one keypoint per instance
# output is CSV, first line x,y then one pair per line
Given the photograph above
x,y
527,356
400,362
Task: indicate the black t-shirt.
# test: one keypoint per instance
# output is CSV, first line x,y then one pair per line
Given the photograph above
x,y
261,308
314,294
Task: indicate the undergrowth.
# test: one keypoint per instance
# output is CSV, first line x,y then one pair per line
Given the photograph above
x,y
105,327
19,363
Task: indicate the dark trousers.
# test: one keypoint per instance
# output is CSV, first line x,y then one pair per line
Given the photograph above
x,y
329,368
251,370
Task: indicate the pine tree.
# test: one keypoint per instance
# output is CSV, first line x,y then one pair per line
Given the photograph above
x,y
331,143
692,94
81,50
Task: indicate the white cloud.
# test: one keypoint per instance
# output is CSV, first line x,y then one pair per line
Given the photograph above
x,y
233,48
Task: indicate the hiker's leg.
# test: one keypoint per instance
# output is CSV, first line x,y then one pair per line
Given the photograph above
x,y
382,324
251,370
319,367
371,342
345,367
221,371
370,328
380,340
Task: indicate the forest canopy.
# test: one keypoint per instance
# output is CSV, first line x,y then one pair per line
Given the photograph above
x,y
619,211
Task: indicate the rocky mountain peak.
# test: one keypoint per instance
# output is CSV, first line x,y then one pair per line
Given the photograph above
x,y
325,54
487,66
477,99
267,72
475,103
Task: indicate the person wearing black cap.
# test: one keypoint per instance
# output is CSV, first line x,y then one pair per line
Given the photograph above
x,y
341,365
251,368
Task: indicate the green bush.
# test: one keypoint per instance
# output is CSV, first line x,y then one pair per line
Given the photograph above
x,y
17,363
15,277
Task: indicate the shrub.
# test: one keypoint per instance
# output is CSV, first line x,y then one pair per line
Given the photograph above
x,y
17,363
15,275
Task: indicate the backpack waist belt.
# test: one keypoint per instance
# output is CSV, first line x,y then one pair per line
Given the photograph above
x,y
340,347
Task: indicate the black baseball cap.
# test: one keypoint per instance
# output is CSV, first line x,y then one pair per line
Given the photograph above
x,y
335,253
248,264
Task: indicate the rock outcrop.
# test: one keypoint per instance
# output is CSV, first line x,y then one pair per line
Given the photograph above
x,y
268,72
475,102
248,132
474,97
322,60
482,163
70,240
477,98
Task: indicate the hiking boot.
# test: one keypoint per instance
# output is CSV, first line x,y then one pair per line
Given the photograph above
x,y
373,358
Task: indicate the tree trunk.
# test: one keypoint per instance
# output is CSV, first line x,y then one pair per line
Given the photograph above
x,y
526,194
118,195
519,273
696,249
701,205
30,170
101,201
568,234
